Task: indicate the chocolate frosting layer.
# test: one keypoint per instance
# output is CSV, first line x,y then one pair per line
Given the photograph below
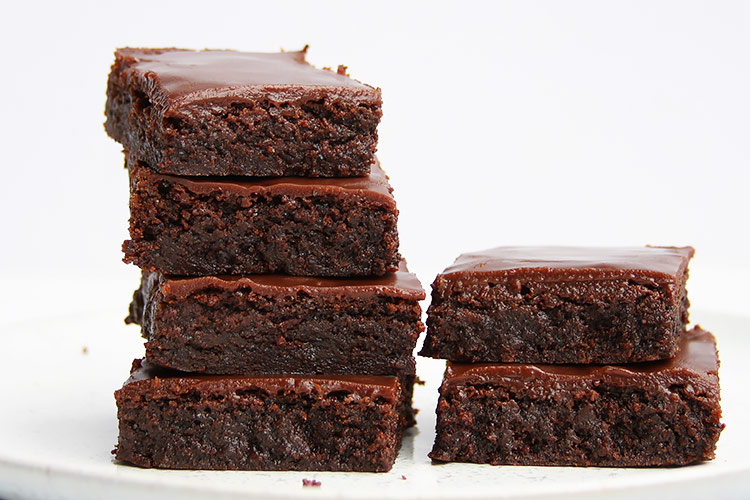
x,y
184,76
373,187
573,262
401,284
363,385
697,356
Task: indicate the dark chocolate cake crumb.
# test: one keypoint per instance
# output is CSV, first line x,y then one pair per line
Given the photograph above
x,y
560,305
220,112
170,419
200,226
258,324
660,413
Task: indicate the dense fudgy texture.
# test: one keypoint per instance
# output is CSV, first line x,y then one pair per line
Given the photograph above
x,y
560,305
282,324
649,414
230,113
222,325
181,421
305,227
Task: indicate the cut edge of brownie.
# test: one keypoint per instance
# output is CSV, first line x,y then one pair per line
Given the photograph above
x,y
183,119
482,311
660,413
273,324
298,226
182,421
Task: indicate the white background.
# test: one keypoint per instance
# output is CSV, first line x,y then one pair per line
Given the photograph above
x,y
597,123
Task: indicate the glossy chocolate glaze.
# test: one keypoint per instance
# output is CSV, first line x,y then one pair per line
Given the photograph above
x,y
572,262
364,385
697,355
401,284
374,187
183,77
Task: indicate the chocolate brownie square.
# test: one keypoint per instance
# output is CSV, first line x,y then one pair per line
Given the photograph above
x,y
220,112
196,226
560,305
181,421
260,324
658,413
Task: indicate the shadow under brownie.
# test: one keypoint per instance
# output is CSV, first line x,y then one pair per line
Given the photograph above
x,y
220,112
560,305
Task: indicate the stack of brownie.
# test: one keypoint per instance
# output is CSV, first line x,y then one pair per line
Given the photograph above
x,y
572,356
280,319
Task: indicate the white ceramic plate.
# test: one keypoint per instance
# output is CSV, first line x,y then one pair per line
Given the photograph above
x,y
58,425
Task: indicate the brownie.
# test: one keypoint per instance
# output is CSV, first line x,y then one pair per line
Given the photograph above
x,y
182,421
259,324
645,414
196,226
220,112
560,305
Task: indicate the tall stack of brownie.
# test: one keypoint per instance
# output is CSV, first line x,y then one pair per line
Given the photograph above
x,y
572,356
280,320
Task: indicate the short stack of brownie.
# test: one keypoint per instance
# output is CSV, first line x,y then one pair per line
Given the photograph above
x,y
280,320
572,356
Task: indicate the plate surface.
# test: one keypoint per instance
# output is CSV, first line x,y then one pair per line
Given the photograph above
x,y
59,425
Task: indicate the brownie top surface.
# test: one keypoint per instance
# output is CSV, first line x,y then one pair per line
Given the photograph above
x,y
365,385
374,186
576,261
401,284
190,75
697,356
